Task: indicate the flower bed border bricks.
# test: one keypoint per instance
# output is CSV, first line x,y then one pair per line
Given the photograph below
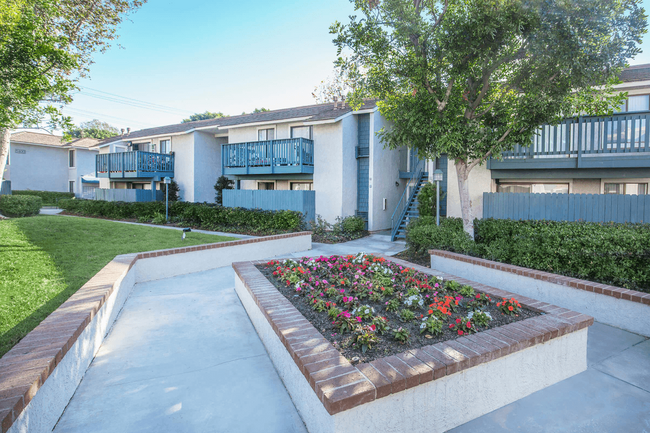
x,y
341,386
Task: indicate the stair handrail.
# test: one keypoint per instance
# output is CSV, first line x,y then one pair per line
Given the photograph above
x,y
416,173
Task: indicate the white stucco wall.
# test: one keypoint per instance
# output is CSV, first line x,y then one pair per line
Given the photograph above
x,y
480,181
40,168
207,166
183,148
384,172
84,165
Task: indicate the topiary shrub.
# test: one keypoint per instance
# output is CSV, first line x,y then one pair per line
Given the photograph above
x,y
49,198
20,205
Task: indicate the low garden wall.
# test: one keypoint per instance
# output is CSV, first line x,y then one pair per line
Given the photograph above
x,y
616,306
39,375
434,388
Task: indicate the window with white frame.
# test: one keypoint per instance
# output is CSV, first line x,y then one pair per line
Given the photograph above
x,y
638,103
301,131
265,134
71,157
71,186
302,186
165,146
535,188
626,188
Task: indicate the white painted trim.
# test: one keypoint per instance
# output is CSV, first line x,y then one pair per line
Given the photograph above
x,y
269,122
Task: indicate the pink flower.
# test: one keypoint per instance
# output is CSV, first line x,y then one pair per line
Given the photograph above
x,y
358,319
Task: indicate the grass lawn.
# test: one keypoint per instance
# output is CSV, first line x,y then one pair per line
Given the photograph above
x,y
45,259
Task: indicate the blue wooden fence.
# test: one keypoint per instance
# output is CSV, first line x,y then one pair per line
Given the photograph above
x,y
568,207
5,187
302,201
128,195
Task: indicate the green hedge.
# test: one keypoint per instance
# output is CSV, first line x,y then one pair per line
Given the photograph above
x,y
201,215
48,197
20,206
616,254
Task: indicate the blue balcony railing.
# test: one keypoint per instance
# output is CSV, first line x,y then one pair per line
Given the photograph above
x,y
293,155
618,141
136,164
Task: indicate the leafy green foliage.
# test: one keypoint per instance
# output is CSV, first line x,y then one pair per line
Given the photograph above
x,y
616,254
403,335
94,129
15,206
350,225
174,190
472,78
49,198
427,200
204,116
432,325
201,215
222,183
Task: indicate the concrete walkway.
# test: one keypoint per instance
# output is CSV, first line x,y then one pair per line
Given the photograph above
x,y
376,243
182,357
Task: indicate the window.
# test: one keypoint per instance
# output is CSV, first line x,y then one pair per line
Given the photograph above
x,y
71,186
302,186
152,147
165,146
301,131
535,188
71,159
265,134
266,186
638,103
626,188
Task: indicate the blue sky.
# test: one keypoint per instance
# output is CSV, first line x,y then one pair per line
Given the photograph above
x,y
194,55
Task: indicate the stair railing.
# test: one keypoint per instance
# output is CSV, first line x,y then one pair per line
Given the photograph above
x,y
404,202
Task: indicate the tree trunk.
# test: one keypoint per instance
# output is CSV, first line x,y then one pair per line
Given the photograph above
x,y
5,135
462,172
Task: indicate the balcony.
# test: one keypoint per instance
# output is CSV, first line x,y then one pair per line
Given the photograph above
x,y
289,156
618,141
136,164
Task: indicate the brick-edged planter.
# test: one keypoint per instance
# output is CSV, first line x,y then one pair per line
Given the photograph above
x,y
431,389
616,306
39,375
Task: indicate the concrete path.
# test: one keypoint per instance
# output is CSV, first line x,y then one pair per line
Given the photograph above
x,y
613,395
182,357
50,211
376,243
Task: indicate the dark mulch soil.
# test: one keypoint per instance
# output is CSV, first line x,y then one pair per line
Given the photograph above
x,y
422,260
331,238
387,346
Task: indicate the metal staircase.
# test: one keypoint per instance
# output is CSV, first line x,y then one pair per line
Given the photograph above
x,y
407,207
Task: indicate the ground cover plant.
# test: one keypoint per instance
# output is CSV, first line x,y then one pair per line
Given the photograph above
x,y
49,198
343,230
616,254
369,307
206,216
45,259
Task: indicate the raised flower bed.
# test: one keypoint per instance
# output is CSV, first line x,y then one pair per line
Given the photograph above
x,y
445,373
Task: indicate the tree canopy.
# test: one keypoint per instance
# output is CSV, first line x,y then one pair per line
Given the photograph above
x,y
93,129
45,47
472,78
203,116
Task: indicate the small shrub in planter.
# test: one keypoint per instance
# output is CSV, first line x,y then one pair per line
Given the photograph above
x,y
16,206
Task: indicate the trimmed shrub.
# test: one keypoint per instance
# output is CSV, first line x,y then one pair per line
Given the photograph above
x,y
427,200
352,225
201,215
616,254
20,205
49,198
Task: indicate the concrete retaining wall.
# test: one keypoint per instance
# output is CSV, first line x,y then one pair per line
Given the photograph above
x,y
606,304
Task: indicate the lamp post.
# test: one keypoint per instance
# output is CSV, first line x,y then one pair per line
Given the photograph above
x,y
437,177
167,181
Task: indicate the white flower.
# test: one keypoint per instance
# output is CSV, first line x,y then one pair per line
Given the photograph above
x,y
422,326
367,311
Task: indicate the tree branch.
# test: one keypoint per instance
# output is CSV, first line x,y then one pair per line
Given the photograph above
x,y
489,152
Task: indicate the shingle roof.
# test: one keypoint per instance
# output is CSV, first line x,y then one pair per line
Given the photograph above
x,y
311,112
51,140
636,73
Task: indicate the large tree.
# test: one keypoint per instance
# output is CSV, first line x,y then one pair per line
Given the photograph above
x,y
93,129
45,47
472,78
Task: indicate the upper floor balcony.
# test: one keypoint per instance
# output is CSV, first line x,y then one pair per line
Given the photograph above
x,y
618,141
288,156
135,164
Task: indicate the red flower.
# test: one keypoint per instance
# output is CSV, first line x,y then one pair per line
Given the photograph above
x,y
458,320
510,308
460,332
469,324
430,311
373,327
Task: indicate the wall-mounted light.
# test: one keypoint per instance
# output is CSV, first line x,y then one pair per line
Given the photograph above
x,y
396,183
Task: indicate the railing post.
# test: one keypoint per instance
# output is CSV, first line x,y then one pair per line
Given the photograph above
x,y
300,150
272,157
579,159
123,156
246,156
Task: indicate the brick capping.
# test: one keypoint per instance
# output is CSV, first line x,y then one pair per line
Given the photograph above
x,y
340,386
589,286
26,367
